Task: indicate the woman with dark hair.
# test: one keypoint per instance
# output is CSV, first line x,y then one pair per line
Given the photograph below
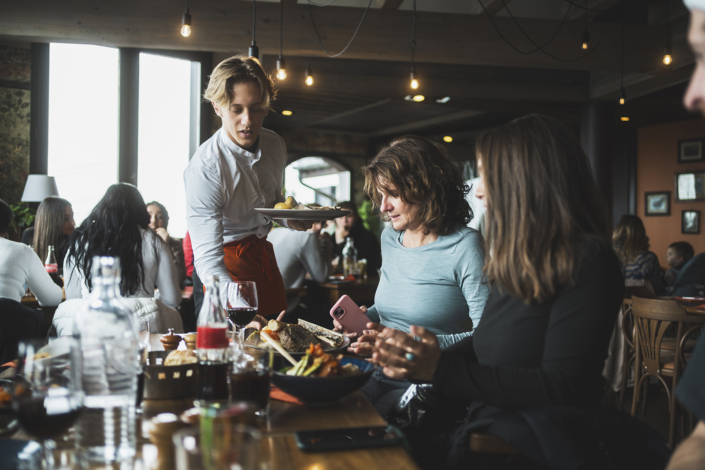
x,y
631,244
431,261
19,265
52,227
159,222
119,226
556,285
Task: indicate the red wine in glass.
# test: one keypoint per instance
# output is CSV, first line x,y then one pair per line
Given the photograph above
x,y
241,316
44,417
212,381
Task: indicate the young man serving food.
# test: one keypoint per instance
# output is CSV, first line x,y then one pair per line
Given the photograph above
x,y
240,168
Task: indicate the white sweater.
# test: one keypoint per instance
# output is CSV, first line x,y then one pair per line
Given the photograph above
x,y
159,272
19,264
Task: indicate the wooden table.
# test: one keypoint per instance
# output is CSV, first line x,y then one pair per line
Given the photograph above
x,y
362,291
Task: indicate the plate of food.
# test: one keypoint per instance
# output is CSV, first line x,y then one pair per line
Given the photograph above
x,y
290,209
297,338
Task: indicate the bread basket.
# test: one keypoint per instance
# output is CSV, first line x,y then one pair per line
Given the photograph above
x,y
168,382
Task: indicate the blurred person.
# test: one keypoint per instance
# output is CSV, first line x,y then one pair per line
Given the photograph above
x,y
118,226
159,222
556,287
365,241
691,388
677,255
632,247
53,225
19,265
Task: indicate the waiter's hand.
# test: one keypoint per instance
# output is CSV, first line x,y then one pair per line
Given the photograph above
x,y
300,225
260,322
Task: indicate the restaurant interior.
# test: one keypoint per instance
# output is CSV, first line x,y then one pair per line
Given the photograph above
x,y
103,92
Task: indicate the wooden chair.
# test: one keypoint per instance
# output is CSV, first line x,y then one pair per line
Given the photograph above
x,y
628,352
652,318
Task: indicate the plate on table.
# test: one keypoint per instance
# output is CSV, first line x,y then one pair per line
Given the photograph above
x,y
326,347
303,214
340,279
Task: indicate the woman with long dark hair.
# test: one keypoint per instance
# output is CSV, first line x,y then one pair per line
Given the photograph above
x,y
119,226
53,226
631,244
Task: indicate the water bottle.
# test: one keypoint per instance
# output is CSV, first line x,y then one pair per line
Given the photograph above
x,y
212,348
105,431
349,258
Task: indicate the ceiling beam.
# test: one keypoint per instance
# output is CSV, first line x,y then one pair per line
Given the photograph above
x,y
225,26
350,112
637,85
426,123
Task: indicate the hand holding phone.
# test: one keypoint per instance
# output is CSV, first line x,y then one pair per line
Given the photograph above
x,y
349,315
348,438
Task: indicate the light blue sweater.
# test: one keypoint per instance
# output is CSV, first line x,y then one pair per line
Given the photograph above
x,y
438,286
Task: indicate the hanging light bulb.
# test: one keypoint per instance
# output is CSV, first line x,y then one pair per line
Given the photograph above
x,y
309,76
414,81
586,39
186,23
622,96
254,50
667,58
281,69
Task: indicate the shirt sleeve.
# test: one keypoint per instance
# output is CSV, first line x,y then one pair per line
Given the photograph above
x,y
373,315
44,289
205,201
577,336
316,257
166,281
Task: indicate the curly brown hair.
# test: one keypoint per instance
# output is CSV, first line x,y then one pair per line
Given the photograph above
x,y
422,174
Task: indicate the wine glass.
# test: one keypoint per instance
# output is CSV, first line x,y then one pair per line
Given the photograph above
x,y
144,347
48,395
241,305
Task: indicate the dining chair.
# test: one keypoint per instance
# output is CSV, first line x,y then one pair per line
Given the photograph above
x,y
652,320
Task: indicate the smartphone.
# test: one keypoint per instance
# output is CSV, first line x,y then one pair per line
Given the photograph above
x,y
348,438
349,315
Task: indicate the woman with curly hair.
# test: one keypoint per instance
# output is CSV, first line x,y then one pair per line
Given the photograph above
x,y
632,247
431,260
119,226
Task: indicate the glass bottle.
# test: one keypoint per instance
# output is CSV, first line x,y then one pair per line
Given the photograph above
x,y
104,328
51,266
212,347
349,258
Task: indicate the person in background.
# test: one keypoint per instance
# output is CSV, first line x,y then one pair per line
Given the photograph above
x,y
677,255
19,265
631,244
119,226
364,240
52,226
691,388
191,272
159,222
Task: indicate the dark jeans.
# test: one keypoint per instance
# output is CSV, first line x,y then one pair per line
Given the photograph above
x,y
384,392
17,322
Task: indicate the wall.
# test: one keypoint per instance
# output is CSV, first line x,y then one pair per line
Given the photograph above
x,y
657,163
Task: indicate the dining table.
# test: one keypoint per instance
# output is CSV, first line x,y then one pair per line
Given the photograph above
x,y
278,449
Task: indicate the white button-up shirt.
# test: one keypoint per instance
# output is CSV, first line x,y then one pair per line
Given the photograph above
x,y
224,183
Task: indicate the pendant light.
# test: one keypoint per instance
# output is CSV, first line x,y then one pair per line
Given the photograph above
x,y
254,50
309,76
586,35
622,93
414,81
186,23
281,65
667,58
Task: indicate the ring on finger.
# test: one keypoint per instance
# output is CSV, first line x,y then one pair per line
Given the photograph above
x,y
410,357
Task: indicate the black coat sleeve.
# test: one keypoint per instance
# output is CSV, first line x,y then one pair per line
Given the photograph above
x,y
578,332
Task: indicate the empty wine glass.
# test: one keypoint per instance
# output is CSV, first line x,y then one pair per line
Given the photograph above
x,y
48,395
241,306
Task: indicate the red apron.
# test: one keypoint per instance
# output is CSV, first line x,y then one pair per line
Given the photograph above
x,y
252,259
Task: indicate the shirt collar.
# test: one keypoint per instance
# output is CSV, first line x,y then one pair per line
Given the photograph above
x,y
239,151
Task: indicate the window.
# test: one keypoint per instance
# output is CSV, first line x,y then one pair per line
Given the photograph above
x,y
317,179
83,123
164,141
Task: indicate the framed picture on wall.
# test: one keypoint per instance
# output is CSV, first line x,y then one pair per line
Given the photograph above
x,y
690,186
658,203
690,151
690,222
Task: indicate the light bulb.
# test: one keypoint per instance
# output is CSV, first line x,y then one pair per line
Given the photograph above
x,y
281,68
286,112
281,74
414,83
622,96
186,24
419,98
586,39
448,139
667,59
309,80
624,119
186,30
621,101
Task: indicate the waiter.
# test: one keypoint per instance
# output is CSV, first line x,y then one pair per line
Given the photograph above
x,y
239,168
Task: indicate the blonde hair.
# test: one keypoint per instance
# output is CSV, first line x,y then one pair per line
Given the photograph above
x,y
234,70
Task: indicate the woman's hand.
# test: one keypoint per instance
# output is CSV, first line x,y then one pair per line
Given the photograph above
x,y
402,357
300,225
364,345
338,328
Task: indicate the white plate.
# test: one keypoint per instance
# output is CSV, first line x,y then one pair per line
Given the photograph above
x,y
302,214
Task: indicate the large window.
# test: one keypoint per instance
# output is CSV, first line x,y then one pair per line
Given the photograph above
x,y
83,122
317,179
165,123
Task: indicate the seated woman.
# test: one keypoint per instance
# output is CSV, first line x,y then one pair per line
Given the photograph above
x,y
53,226
632,247
556,283
19,265
158,222
119,226
432,262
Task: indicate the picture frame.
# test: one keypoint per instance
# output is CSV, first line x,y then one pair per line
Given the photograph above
x,y
690,186
690,222
690,151
657,203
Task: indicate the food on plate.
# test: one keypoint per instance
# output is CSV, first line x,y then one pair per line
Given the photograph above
x,y
317,363
41,355
333,338
291,204
297,338
181,357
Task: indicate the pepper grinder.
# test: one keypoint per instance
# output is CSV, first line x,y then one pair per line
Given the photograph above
x,y
163,426
170,341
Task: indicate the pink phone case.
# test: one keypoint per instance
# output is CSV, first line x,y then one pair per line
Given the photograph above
x,y
349,315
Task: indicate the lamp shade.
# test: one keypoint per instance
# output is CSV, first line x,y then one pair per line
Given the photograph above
x,y
39,187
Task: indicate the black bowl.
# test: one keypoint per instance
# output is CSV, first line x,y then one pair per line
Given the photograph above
x,y
319,390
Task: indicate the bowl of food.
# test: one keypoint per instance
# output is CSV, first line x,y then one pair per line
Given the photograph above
x,y
320,377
